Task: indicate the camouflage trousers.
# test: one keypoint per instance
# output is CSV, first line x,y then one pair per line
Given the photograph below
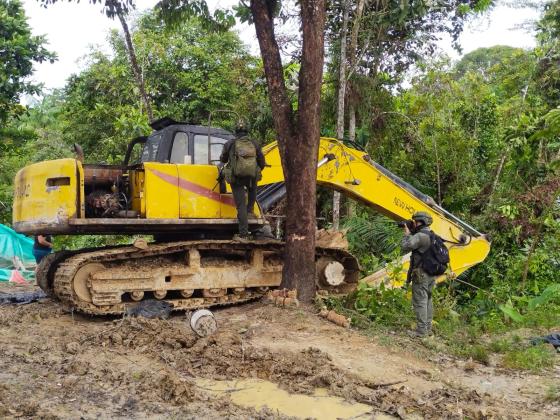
x,y
422,286
245,203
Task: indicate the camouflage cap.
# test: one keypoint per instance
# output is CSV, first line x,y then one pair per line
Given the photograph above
x,y
422,216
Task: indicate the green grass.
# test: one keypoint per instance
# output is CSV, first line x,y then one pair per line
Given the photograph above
x,y
386,313
478,352
500,345
535,358
552,394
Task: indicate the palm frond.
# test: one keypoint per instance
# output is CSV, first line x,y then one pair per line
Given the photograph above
x,y
374,234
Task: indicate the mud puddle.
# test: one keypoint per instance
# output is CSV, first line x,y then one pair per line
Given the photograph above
x,y
55,364
259,394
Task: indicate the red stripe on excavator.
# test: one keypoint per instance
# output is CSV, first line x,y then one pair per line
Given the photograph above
x,y
194,188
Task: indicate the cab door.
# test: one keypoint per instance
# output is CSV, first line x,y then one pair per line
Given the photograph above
x,y
199,193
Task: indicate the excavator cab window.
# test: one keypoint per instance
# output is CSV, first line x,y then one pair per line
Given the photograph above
x,y
216,147
180,151
149,153
184,144
201,149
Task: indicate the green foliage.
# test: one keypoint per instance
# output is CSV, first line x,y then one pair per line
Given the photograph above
x,y
384,306
189,72
511,312
373,238
552,394
476,352
548,51
500,345
548,294
533,358
92,241
174,12
392,37
19,50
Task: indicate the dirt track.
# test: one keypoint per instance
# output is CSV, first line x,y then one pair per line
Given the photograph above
x,y
60,365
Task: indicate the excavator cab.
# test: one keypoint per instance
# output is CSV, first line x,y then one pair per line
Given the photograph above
x,y
168,182
179,143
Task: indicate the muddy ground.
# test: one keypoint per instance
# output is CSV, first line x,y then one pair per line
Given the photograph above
x,y
55,364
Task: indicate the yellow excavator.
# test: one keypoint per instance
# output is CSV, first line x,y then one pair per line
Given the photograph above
x,y
170,190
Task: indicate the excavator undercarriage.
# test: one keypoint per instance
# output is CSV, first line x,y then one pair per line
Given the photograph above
x,y
188,274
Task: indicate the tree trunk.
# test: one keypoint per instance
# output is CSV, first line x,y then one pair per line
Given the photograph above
x,y
340,103
298,148
353,62
342,72
282,111
351,122
135,67
497,177
355,30
437,171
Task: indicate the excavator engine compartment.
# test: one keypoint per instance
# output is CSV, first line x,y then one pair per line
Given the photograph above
x,y
106,191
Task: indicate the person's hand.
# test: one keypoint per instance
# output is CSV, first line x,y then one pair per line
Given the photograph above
x,y
406,230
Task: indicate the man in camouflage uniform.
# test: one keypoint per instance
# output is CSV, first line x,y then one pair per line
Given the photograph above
x,y
244,189
418,242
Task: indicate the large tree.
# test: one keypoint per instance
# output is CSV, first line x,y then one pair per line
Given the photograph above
x,y
298,133
19,50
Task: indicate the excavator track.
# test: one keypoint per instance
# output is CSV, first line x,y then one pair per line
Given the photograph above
x,y
189,274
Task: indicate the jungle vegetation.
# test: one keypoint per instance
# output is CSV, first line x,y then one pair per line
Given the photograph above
x,y
481,135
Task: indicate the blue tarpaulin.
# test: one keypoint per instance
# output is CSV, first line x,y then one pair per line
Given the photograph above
x,y
553,339
16,253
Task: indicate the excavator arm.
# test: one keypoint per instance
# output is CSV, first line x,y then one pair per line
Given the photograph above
x,y
353,173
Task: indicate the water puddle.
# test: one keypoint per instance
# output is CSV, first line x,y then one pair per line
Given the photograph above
x,y
258,394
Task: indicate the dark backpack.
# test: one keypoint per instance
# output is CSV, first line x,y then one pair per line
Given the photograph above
x,y
244,158
436,258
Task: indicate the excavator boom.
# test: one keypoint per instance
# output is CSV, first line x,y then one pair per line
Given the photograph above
x,y
352,172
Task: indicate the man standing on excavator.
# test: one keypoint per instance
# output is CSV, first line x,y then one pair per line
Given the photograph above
x,y
417,240
244,161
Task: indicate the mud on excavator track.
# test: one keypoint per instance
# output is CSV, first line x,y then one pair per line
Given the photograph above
x,y
189,275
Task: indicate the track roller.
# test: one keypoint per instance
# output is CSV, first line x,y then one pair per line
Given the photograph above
x,y
137,295
160,294
186,293
214,292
